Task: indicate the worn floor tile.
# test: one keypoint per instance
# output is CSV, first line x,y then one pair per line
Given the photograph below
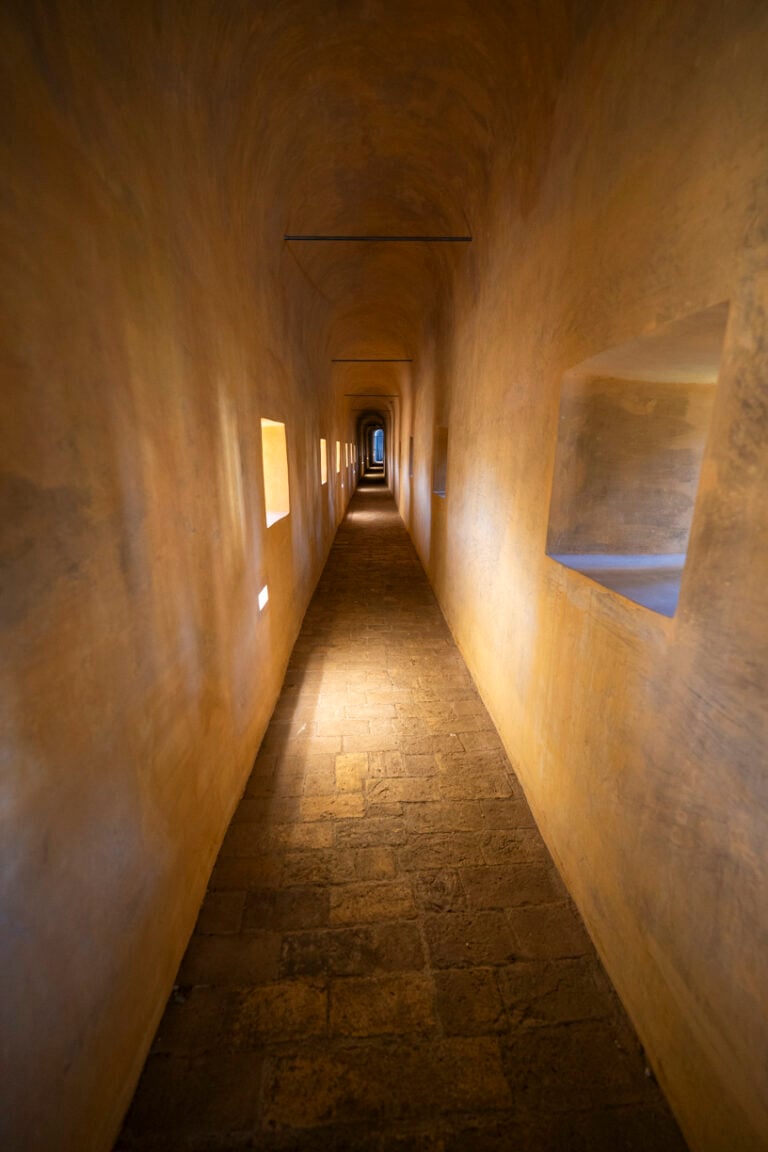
x,y
374,949
469,1002
288,1010
555,991
389,1005
366,902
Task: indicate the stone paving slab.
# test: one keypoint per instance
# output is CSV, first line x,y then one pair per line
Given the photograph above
x,y
387,958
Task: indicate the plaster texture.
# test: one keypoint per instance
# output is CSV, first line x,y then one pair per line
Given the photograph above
x,y
609,162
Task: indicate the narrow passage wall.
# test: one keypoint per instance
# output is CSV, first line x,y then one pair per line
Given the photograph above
x,y
641,741
142,343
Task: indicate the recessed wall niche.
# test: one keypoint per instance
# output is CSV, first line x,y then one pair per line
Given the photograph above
x,y
440,460
632,432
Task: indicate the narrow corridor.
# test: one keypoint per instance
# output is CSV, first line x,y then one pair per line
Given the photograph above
x,y
386,957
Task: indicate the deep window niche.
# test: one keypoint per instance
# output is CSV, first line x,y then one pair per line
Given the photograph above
x,y
632,433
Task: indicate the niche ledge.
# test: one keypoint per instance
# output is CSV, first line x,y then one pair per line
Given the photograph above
x,y
632,434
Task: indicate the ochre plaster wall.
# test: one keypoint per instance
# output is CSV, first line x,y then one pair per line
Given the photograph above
x,y
640,740
627,465
141,343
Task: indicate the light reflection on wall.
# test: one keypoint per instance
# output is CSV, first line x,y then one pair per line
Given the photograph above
x,y
231,485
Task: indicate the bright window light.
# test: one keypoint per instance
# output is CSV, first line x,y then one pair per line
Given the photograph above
x,y
338,456
323,462
263,598
274,453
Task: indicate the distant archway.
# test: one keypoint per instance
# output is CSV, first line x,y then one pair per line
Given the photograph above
x,y
375,445
372,445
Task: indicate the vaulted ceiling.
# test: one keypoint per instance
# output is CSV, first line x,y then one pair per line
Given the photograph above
x,y
381,118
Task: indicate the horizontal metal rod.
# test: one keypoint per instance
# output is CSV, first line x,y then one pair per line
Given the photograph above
x,y
314,239
373,395
372,360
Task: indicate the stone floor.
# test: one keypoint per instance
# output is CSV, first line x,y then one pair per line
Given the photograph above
x,y
386,957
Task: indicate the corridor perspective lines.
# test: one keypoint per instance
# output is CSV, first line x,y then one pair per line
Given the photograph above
x,y
386,957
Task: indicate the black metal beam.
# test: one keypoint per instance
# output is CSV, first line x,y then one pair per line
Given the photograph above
x,y
320,239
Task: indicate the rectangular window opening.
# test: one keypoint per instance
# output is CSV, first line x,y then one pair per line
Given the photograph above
x,y
274,452
338,456
323,462
632,433
263,598
410,457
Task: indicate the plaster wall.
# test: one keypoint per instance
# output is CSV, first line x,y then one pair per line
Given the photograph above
x,y
627,466
141,345
640,740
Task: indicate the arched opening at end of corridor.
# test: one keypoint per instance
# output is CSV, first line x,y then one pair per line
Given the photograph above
x,y
372,436
374,450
